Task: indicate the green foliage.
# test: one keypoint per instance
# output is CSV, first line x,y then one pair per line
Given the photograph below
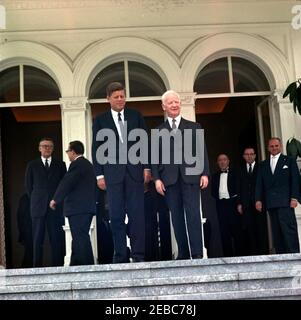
x,y
293,148
294,92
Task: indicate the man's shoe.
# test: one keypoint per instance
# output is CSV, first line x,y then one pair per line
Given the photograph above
x,y
197,256
138,260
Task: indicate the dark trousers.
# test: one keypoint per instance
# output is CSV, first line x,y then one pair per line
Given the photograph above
x,y
255,231
151,227
230,227
82,253
184,200
285,230
164,228
54,224
157,226
127,198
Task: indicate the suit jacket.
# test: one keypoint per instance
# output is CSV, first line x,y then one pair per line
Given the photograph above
x,y
246,186
169,173
231,184
279,188
41,184
114,173
78,189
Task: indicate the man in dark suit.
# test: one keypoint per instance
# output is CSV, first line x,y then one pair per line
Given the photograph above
x,y
122,179
78,191
254,223
224,191
25,230
181,187
41,180
277,185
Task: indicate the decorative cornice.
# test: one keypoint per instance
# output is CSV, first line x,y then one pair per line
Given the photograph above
x,y
150,5
74,103
187,98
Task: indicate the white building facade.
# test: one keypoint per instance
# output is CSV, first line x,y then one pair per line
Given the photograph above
x,y
72,41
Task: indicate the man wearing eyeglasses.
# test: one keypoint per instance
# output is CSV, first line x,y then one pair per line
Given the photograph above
x,y
42,177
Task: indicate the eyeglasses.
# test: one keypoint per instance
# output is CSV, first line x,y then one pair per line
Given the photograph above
x,y
48,146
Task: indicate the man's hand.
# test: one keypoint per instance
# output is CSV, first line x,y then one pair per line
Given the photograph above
x,y
52,204
101,183
147,176
204,182
239,209
160,187
258,206
294,203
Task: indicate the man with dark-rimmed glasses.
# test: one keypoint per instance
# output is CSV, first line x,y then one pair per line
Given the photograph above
x,y
42,177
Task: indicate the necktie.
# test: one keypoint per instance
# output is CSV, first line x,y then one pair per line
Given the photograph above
x,y
46,164
173,126
250,169
273,164
119,117
121,126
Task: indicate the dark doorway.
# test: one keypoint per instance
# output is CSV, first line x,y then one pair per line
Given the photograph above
x,y
229,128
20,138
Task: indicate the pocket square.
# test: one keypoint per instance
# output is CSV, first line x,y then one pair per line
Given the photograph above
x,y
285,167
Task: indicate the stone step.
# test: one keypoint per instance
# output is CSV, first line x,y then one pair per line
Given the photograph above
x,y
150,270
230,278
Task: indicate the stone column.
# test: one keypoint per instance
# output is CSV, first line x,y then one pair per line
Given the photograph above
x,y
77,125
290,126
2,227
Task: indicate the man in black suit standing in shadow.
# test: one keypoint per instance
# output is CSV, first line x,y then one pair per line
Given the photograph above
x,y
224,191
123,180
278,186
254,223
177,183
78,191
42,177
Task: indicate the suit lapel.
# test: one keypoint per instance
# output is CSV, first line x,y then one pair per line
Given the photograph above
x,y
280,164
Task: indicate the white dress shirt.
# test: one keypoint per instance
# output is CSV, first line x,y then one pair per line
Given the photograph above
x,y
252,164
223,186
178,119
115,118
273,161
48,160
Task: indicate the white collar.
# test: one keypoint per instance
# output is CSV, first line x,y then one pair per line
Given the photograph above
x,y
276,156
115,113
178,119
44,159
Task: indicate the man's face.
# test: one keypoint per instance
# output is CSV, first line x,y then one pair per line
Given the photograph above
x,y
274,147
117,100
223,162
46,148
172,105
249,155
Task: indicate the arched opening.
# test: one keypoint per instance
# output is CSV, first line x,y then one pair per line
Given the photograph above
x,y
144,87
228,89
29,110
232,105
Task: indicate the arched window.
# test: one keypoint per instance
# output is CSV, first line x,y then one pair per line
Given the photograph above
x,y
140,80
231,75
23,83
